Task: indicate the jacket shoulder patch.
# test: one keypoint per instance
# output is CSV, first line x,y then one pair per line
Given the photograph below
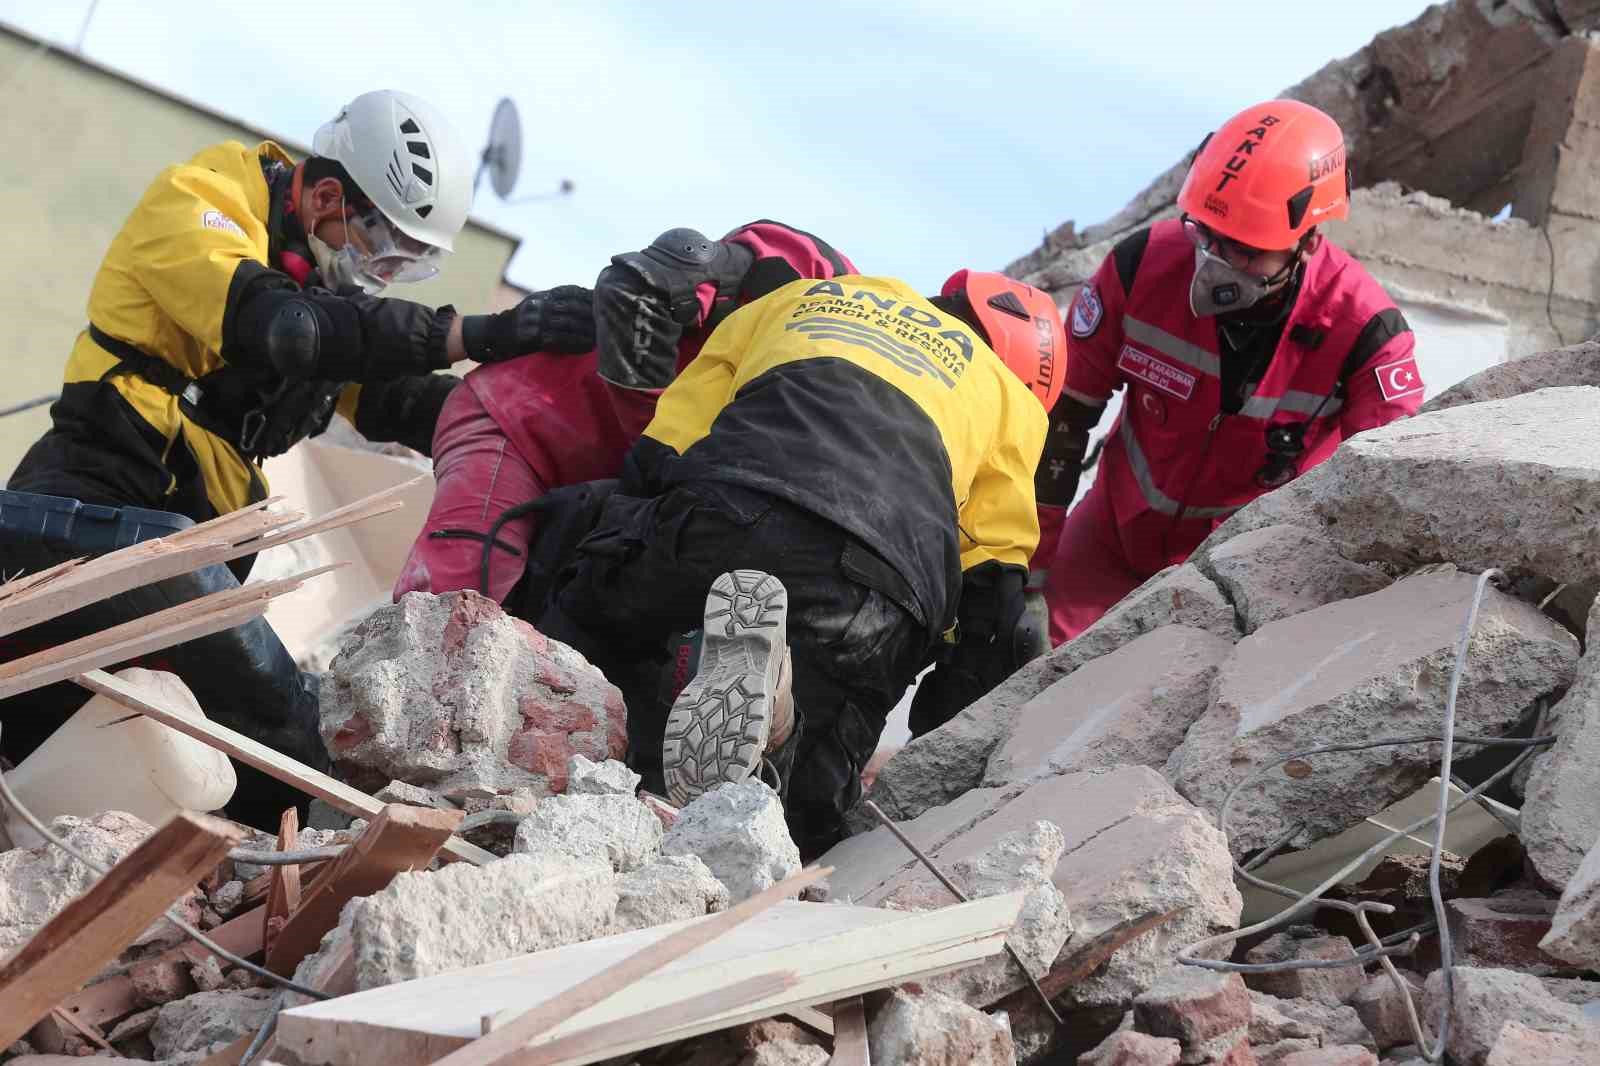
x,y
218,220
1086,312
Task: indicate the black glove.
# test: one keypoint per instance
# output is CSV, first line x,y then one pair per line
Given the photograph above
x,y
555,320
638,337
1055,481
995,638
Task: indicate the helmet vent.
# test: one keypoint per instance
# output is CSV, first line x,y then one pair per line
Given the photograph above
x,y
1008,302
425,210
419,148
1297,206
422,172
410,126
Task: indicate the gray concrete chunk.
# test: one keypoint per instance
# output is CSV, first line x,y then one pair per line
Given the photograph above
x,y
739,832
1131,707
1352,672
1279,571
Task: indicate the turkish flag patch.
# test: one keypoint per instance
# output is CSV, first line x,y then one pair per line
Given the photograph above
x,y
1398,379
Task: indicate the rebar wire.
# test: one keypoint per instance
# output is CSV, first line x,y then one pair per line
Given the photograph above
x,y
287,858
172,915
28,405
1380,950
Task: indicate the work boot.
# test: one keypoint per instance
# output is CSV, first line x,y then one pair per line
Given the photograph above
x,y
739,706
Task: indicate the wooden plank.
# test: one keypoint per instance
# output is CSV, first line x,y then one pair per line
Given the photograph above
x,y
837,951
253,753
813,1019
401,838
39,597
96,926
113,998
619,975
283,886
850,1034
36,598
575,1047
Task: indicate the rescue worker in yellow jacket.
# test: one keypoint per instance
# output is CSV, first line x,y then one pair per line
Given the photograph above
x,y
233,313
848,469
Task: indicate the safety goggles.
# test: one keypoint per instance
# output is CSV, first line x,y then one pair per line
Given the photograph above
x,y
1240,257
386,253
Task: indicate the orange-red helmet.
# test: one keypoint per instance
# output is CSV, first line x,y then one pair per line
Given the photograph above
x,y
1269,174
1023,325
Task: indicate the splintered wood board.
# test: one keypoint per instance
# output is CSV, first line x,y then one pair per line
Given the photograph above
x,y
836,951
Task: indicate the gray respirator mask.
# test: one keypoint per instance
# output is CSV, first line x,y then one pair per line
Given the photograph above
x,y
1218,288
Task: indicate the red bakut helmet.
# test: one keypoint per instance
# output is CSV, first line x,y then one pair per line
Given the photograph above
x,y
1023,325
1271,173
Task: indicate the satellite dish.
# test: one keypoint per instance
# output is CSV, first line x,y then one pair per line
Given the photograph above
x,y
502,156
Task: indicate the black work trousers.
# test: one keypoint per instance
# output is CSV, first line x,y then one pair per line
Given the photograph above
x,y
244,678
855,631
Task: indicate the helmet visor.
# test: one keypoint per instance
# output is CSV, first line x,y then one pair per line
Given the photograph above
x,y
388,254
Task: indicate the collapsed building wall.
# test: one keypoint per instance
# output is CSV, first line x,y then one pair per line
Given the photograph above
x,y
1476,108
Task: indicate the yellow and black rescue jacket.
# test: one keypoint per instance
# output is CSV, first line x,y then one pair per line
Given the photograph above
x,y
861,402
167,295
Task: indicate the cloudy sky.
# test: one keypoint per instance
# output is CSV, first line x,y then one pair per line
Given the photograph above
x,y
917,137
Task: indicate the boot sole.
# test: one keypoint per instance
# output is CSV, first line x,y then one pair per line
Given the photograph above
x,y
720,722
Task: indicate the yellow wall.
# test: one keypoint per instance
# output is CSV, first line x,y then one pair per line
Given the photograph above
x,y
81,144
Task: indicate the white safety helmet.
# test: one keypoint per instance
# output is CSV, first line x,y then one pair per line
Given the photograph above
x,y
407,160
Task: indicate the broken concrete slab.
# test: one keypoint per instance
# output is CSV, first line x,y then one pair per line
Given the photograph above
x,y
453,694
411,795
618,829
669,889
1520,1045
1131,707
1017,861
1336,1024
608,778
36,883
739,832
939,766
1134,848
193,1025
1560,818
1578,364
1332,986
929,1029
1502,933
1486,999
1207,1012
862,864
1510,483
1290,505
1125,1047
1279,571
426,923
1574,935
1327,676
1382,1008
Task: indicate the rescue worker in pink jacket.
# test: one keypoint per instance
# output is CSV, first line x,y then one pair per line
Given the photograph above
x,y
1248,346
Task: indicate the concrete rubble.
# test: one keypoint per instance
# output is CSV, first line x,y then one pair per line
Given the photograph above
x,y
739,832
930,1029
1276,572
934,769
1560,818
1484,1000
618,828
1022,860
1131,707
1330,675
452,694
